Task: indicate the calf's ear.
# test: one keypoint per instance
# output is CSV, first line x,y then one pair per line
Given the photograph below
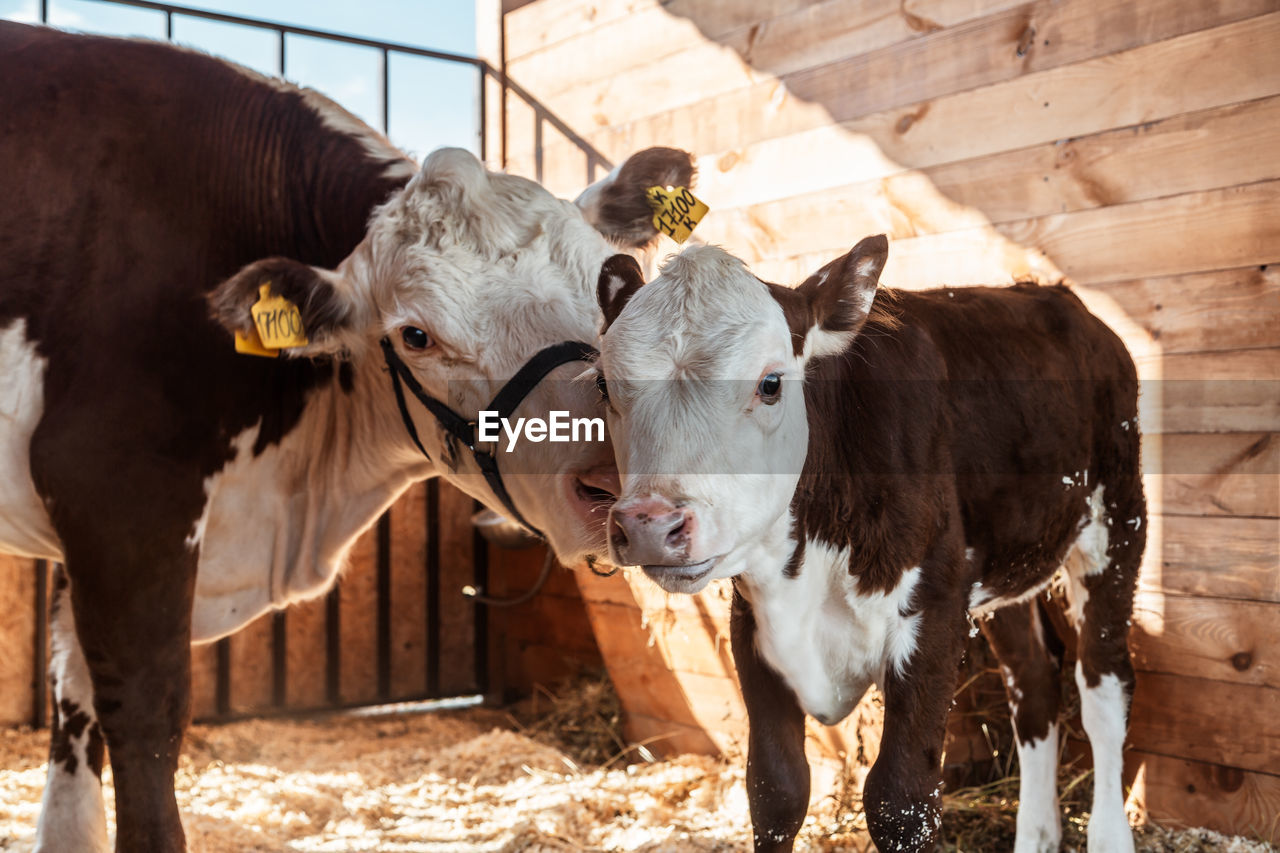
x,y
616,205
620,278
326,310
839,295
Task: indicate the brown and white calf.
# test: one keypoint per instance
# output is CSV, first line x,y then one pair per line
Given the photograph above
x,y
871,468
147,193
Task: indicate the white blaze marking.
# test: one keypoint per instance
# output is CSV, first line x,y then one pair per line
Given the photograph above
x,y
1103,710
1039,819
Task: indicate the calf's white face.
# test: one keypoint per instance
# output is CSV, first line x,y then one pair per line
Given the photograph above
x,y
704,373
468,274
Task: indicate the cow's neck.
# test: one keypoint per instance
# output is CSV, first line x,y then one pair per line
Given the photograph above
x,y
278,523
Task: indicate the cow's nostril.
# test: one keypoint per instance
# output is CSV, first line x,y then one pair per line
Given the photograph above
x,y
675,534
617,534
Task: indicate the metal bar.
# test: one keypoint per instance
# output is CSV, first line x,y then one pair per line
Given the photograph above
x,y
281,53
44,11
537,146
222,681
333,646
279,658
168,25
386,93
484,155
433,587
263,23
480,575
382,616
41,657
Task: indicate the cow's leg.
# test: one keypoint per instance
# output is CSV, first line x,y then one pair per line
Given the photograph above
x,y
1031,675
134,626
903,794
777,770
72,817
1102,572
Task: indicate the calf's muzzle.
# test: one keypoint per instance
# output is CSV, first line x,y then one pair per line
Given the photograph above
x,y
651,531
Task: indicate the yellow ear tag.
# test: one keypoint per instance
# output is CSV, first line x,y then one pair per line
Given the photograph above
x,y
251,344
278,320
675,211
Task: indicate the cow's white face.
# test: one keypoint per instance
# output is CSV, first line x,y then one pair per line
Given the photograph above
x,y
470,273
704,370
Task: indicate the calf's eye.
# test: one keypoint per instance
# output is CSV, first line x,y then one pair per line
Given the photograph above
x,y
602,386
415,338
770,388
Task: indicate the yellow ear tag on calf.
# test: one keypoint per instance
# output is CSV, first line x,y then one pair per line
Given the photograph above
x,y
278,321
251,344
675,211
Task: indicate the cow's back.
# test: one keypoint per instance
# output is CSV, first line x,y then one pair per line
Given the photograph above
x,y
1042,404
1012,394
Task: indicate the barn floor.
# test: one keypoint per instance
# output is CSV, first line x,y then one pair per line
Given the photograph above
x,y
457,781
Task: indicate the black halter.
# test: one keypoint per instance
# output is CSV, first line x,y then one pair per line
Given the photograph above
x,y
504,403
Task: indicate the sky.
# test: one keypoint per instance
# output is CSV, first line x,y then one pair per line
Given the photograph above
x,y
432,103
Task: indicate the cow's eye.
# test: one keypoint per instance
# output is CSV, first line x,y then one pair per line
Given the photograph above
x,y
770,388
602,387
414,338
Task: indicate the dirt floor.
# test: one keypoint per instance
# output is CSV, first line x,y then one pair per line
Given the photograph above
x,y
478,780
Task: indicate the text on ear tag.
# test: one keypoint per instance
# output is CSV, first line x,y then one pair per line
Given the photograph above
x,y
278,320
676,212
251,344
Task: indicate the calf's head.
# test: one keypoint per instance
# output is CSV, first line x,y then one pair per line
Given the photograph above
x,y
704,373
467,274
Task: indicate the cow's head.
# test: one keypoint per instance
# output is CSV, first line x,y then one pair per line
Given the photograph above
x,y
468,274
704,372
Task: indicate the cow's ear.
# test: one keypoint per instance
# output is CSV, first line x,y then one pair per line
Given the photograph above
x,y
620,278
322,302
617,206
839,295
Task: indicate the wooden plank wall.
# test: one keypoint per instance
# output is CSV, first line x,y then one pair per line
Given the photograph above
x,y
1133,148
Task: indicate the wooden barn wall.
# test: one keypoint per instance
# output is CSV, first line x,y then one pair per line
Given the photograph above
x,y
1132,148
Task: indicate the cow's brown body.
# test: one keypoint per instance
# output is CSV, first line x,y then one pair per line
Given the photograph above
x,y
135,178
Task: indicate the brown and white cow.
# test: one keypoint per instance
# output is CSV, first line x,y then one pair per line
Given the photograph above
x,y
147,193
871,468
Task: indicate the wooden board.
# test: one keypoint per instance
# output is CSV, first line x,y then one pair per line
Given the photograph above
x,y
204,681
1179,792
409,593
907,68
357,589
1233,65
19,680
1232,391
1218,474
1236,725
1220,639
251,672
1216,557
305,662
457,614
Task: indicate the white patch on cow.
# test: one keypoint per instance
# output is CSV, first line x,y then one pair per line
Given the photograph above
x,y
1104,710
1039,818
25,528
277,526
1088,554
828,641
337,119
72,813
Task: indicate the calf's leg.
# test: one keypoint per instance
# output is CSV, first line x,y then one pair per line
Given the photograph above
x,y
72,816
903,796
1102,572
1031,675
777,770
